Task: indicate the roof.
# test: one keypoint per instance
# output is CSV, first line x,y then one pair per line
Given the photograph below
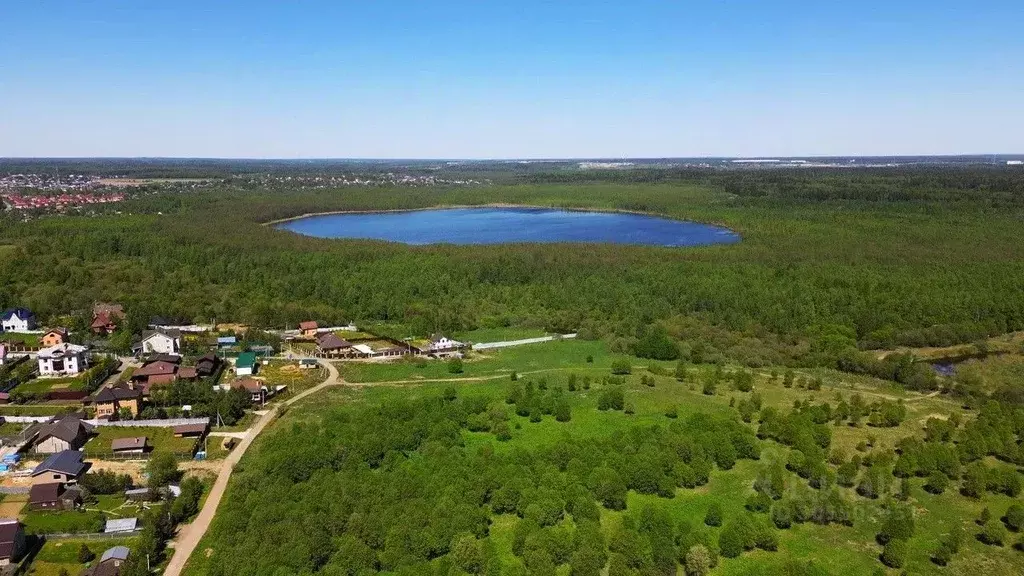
x,y
108,308
171,358
119,525
134,443
226,340
49,492
246,360
156,368
308,325
169,333
103,318
20,313
363,349
188,372
67,428
61,351
115,393
250,384
332,341
116,553
65,462
58,330
190,428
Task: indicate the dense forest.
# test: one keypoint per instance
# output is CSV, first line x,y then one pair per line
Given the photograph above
x,y
829,261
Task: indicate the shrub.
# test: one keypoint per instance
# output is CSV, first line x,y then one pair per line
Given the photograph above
x,y
698,560
759,502
713,516
621,367
898,524
85,555
1014,518
455,366
672,412
993,533
894,553
937,482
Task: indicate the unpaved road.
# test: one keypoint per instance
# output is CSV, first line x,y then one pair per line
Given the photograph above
x,y
189,535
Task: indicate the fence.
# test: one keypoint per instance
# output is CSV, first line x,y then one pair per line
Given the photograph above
x,y
164,423
92,535
14,489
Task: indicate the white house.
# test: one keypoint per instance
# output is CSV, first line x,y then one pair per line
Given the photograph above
x,y
439,343
62,360
17,320
161,342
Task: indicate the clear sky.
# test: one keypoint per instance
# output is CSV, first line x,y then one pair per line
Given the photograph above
x,y
510,79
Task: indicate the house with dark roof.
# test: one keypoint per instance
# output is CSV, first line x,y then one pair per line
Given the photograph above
x,y
154,373
333,345
68,432
17,320
257,389
109,563
207,365
191,430
106,318
12,541
54,496
110,401
128,446
65,467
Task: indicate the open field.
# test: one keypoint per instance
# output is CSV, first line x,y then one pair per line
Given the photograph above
x,y
44,385
57,555
836,549
279,372
63,522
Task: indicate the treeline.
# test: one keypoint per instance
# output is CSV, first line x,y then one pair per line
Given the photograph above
x,y
411,498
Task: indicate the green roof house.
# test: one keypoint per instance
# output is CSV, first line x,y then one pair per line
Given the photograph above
x,y
245,365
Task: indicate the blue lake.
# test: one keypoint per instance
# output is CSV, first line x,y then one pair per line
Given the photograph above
x,y
508,225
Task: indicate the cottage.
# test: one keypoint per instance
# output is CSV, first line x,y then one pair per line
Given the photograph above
x,y
191,430
308,363
129,446
106,318
333,345
257,389
308,329
160,342
109,564
110,401
245,364
62,360
54,496
17,320
440,344
158,372
54,336
65,467
12,541
68,432
207,365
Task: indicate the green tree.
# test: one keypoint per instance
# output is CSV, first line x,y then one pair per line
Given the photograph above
x,y
894,553
993,533
162,469
621,367
455,366
85,555
698,560
713,516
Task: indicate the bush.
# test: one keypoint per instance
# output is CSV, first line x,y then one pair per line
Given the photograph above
x,y
85,555
1014,518
937,482
672,412
611,399
698,560
759,502
502,432
898,524
713,517
993,533
894,553
621,367
455,366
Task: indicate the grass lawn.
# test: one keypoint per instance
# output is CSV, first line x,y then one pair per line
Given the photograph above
x,y
242,425
63,522
281,372
36,409
115,506
57,555
43,385
21,338
159,439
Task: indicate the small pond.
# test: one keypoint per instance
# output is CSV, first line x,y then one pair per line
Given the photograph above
x,y
508,225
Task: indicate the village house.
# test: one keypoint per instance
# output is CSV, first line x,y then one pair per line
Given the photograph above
x,y
155,373
190,430
54,496
245,364
17,320
65,467
68,432
331,344
308,329
53,337
62,360
106,318
441,345
110,401
12,541
257,389
160,342
129,446
110,562
207,365
308,363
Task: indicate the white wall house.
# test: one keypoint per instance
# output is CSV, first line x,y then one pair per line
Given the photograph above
x,y
62,360
17,320
439,343
161,342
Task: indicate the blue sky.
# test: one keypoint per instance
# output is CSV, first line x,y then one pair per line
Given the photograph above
x,y
526,79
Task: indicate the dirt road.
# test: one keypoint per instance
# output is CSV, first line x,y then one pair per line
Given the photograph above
x,y
188,536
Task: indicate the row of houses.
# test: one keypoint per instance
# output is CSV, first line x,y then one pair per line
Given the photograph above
x,y
334,346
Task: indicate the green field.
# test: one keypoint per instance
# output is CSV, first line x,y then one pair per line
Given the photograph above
x,y
836,549
159,439
63,522
57,555
44,385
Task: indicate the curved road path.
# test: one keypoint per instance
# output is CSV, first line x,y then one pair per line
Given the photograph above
x,y
189,536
